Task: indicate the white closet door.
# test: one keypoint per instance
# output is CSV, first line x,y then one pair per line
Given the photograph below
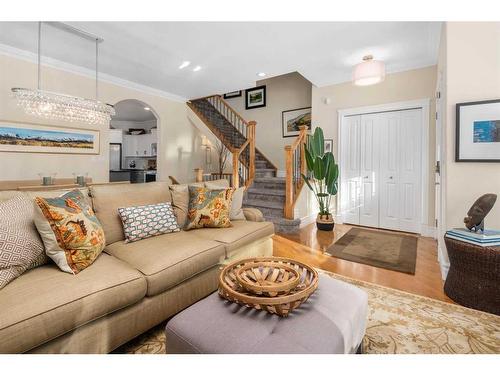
x,y
369,170
410,170
350,152
389,129
400,170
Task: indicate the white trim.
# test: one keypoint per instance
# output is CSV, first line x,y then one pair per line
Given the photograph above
x,y
443,264
75,69
428,231
424,104
306,220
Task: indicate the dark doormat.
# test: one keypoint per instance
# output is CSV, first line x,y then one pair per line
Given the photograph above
x,y
392,251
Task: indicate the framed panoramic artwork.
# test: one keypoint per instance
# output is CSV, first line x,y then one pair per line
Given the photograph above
x,y
25,137
478,131
293,119
328,145
255,97
232,94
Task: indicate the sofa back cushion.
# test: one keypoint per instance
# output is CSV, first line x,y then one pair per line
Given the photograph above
x,y
107,199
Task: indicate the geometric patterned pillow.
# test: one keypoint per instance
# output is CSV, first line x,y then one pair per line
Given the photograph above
x,y
141,222
209,208
21,248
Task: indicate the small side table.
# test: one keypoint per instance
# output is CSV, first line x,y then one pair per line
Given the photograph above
x,y
474,276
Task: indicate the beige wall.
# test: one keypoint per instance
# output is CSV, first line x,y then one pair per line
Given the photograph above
x,y
397,87
179,149
288,91
472,65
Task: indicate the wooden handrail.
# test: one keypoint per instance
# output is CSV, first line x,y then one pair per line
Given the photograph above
x,y
295,166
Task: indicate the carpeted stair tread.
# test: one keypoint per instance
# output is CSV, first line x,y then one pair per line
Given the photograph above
x,y
263,204
255,190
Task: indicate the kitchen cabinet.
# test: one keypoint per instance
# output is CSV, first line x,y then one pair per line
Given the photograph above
x,y
115,136
138,145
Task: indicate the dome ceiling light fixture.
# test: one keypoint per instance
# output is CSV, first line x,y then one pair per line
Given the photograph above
x,y
369,72
52,105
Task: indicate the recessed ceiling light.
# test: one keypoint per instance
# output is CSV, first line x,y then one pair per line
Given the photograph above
x,y
261,74
197,68
147,109
184,64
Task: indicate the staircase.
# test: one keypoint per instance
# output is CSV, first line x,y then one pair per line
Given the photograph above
x,y
265,191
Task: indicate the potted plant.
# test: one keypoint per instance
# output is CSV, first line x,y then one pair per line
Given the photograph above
x,y
322,179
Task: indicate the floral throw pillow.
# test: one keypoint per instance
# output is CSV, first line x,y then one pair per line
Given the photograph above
x,y
72,234
141,222
209,208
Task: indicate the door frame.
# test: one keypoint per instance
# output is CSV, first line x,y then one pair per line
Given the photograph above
x,y
425,228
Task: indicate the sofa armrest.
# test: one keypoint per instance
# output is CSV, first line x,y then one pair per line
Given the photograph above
x,y
253,214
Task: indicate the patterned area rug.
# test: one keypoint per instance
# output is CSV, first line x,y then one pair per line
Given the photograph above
x,y
398,323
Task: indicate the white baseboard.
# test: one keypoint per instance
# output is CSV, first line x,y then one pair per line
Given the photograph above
x,y
306,220
445,267
280,173
428,231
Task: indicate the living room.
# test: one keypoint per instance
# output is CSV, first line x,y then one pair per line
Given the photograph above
x,y
165,191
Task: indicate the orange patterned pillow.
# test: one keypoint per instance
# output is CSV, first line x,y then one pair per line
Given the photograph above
x,y
209,208
70,231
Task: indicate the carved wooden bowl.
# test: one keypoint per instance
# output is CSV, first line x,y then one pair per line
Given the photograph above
x,y
240,282
267,278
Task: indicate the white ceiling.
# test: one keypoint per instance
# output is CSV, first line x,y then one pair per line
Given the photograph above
x,y
231,54
132,110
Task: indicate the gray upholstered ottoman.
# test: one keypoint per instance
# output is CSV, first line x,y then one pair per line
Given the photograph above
x,y
333,320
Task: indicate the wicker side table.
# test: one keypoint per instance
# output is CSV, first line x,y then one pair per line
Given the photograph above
x,y
474,276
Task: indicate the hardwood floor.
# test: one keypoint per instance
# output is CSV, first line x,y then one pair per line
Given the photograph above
x,y
309,245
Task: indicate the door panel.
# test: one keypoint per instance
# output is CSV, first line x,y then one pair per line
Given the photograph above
x,y
369,149
389,161
350,186
410,174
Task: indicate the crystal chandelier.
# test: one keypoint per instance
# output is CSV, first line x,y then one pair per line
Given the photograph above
x,y
51,105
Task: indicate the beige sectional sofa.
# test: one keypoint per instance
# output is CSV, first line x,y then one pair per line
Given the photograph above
x,y
130,287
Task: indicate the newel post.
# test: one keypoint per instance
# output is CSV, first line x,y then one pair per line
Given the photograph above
x,y
288,182
251,137
236,175
198,174
303,135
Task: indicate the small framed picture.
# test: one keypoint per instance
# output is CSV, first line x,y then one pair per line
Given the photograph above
x,y
328,145
293,119
478,131
232,94
255,97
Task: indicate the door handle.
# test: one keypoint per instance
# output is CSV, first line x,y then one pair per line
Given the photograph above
x,y
365,177
391,177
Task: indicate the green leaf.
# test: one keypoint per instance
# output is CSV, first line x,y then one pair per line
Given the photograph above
x,y
318,143
309,160
333,188
319,171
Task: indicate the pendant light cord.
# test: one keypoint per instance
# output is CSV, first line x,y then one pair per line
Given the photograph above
x,y
96,70
39,55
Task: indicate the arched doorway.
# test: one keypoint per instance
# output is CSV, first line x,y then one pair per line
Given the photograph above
x,y
133,142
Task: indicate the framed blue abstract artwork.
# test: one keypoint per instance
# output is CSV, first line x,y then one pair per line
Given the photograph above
x,y
478,131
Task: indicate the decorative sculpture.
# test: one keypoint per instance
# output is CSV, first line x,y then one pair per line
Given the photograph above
x,y
476,214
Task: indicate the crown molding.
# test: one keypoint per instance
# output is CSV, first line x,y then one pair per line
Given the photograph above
x,y
31,57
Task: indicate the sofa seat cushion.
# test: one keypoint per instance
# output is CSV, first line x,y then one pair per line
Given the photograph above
x,y
169,259
45,303
240,234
